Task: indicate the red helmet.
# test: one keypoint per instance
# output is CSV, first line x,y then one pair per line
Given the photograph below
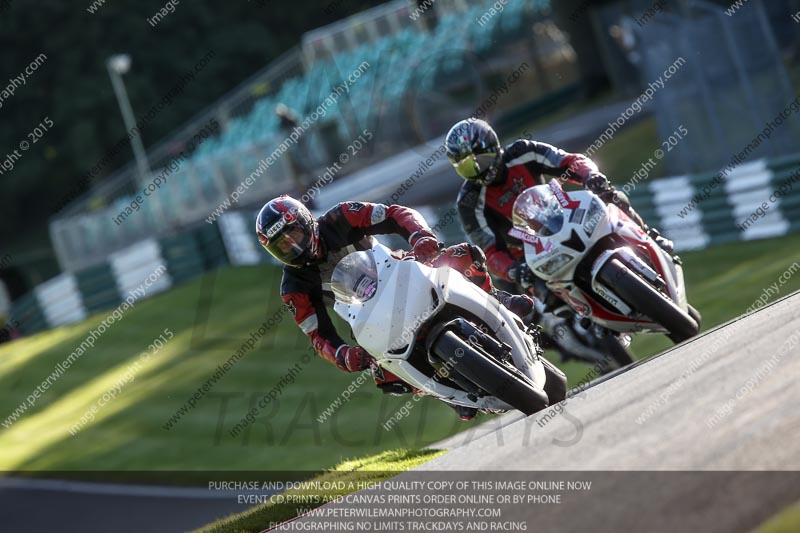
x,y
288,231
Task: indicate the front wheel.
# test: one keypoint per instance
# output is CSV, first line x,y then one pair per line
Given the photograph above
x,y
643,297
617,350
695,314
496,379
556,384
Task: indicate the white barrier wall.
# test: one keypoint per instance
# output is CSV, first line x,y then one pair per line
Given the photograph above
x,y
61,300
139,265
239,235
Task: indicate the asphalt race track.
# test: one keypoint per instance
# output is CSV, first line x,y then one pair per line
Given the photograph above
x,y
676,435
714,472
714,415
40,506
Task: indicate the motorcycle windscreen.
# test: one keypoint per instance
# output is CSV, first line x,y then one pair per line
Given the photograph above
x,y
355,278
538,211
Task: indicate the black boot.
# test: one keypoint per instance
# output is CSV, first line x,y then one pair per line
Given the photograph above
x,y
395,388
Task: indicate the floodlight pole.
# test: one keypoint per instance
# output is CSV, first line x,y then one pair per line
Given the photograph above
x,y
117,66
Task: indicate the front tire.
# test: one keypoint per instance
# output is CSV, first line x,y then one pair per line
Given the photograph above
x,y
643,297
695,314
618,352
556,384
491,376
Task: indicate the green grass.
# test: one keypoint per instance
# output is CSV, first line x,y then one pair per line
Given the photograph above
x,y
621,156
211,318
630,147
348,477
787,521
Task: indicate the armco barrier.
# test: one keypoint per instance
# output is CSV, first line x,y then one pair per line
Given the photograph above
x,y
680,208
664,203
71,297
132,266
211,246
97,287
237,229
183,257
29,314
60,300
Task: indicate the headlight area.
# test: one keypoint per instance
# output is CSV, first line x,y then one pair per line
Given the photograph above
x,y
554,265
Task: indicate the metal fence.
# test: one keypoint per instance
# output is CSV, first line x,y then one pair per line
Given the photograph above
x,y
734,87
733,83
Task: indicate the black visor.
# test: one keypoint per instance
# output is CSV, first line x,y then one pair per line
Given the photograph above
x,y
289,246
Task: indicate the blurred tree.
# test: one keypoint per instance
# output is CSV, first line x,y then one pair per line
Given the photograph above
x,y
72,86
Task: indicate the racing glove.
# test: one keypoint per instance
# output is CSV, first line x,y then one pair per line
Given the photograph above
x,y
598,184
424,245
352,358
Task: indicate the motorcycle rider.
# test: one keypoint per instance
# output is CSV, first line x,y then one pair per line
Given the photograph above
x,y
495,176
310,249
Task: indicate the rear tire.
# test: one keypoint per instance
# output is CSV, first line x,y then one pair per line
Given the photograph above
x,y
491,376
640,295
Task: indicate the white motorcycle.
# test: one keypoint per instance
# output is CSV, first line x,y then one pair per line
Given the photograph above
x,y
442,334
601,263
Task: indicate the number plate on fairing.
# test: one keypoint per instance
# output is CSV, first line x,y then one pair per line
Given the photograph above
x,y
577,215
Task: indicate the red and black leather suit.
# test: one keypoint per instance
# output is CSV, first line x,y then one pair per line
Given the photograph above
x,y
485,211
346,228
